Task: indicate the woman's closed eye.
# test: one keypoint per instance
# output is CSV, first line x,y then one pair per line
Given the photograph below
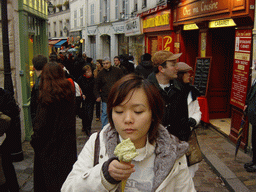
x,y
118,112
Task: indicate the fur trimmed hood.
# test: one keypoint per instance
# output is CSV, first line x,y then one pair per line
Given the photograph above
x,y
168,149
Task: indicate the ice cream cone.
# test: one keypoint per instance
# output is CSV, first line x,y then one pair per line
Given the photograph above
x,y
123,183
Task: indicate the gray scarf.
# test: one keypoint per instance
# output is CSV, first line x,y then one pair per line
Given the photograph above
x,y
168,149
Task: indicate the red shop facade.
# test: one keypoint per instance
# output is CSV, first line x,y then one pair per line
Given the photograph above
x,y
158,29
222,31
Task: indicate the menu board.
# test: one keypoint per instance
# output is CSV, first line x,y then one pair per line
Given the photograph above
x,y
241,67
202,72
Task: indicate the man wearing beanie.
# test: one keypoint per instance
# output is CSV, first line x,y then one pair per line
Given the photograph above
x,y
173,92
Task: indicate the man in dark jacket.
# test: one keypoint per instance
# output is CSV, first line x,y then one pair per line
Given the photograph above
x,y
10,150
250,109
145,67
176,109
104,81
39,62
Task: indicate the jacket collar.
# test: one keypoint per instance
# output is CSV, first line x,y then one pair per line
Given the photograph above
x,y
152,78
168,150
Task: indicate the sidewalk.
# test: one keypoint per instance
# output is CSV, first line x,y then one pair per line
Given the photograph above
x,y
219,153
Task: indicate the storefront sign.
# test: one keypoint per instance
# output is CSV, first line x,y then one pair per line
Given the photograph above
x,y
133,27
118,27
167,41
201,8
156,22
191,26
241,67
222,23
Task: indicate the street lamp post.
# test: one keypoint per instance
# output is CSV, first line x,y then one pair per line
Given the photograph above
x,y
8,85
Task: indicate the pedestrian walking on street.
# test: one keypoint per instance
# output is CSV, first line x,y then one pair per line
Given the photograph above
x,y
135,109
54,137
86,82
10,150
250,110
194,113
104,81
173,92
39,62
96,71
118,64
145,67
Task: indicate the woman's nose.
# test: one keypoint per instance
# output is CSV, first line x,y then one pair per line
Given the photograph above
x,y
128,117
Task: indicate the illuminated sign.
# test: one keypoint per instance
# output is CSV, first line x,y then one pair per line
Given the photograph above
x,y
156,21
190,26
222,23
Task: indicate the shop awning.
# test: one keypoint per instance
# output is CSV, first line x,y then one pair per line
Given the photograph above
x,y
61,42
53,42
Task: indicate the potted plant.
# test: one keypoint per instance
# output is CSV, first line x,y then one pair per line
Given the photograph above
x,y
66,4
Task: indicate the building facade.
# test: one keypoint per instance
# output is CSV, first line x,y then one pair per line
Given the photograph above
x,y
27,28
58,25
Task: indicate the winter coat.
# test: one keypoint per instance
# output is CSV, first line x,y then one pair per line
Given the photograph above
x,y
12,143
105,80
144,69
193,105
176,109
170,166
34,99
87,87
251,105
54,143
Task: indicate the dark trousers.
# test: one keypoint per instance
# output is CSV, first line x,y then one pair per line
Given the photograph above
x,y
10,175
254,144
98,109
87,115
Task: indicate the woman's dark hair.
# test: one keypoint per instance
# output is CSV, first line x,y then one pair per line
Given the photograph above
x,y
128,83
53,84
100,62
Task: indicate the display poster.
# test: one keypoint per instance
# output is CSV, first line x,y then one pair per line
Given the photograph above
x,y
241,67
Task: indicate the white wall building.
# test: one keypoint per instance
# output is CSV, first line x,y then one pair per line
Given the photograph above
x,y
78,11
59,21
105,35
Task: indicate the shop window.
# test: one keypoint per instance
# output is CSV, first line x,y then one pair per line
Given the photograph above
x,y
116,9
144,3
75,19
101,11
135,5
81,17
92,14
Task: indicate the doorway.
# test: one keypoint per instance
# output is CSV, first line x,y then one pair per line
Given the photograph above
x,y
219,88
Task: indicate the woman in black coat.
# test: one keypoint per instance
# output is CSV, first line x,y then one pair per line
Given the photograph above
x,y
54,138
10,150
86,83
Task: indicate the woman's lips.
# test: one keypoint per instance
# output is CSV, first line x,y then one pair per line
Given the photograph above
x,y
129,130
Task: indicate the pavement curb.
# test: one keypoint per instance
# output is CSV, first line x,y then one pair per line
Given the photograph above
x,y
228,177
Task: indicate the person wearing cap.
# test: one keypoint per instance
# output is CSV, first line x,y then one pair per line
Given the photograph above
x,y
194,113
173,92
184,76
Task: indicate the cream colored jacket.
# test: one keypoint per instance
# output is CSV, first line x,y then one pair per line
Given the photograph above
x,y
171,171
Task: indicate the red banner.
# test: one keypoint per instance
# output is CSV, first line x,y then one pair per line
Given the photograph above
x,y
241,67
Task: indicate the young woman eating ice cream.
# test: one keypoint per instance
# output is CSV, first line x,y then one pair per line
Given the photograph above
x,y
135,109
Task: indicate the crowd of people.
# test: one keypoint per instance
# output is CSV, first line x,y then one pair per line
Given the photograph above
x,y
154,104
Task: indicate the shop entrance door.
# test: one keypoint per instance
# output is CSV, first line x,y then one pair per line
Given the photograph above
x,y
222,42
152,45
